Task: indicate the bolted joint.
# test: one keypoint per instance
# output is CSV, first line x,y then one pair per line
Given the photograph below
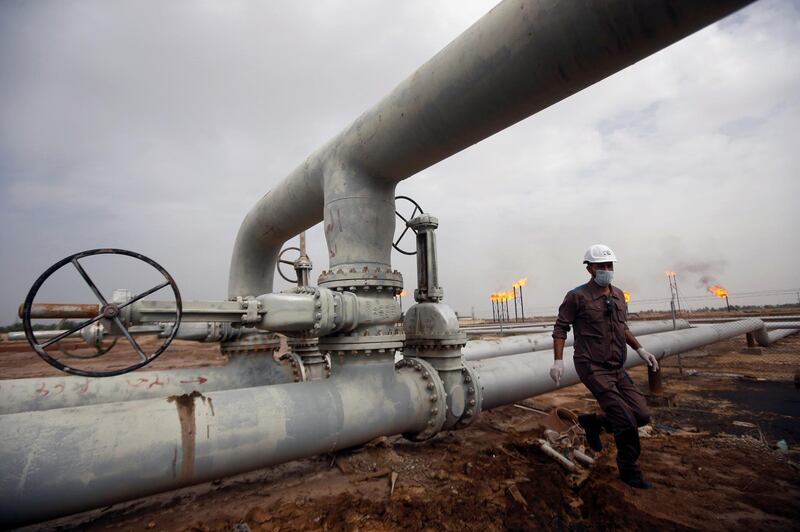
x,y
433,390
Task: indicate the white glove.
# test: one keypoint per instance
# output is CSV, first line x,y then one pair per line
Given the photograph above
x,y
557,371
648,357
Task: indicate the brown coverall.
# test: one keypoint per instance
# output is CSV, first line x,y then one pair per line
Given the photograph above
x,y
600,352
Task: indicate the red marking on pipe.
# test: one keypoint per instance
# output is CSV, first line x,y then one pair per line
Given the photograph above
x,y
198,380
85,388
61,386
157,381
42,390
140,381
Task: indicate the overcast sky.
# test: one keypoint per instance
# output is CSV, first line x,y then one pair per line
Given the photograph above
x,y
155,126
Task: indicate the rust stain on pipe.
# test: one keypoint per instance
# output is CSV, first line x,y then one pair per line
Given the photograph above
x,y
185,406
55,310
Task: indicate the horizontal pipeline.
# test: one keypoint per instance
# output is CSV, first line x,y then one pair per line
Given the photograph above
x,y
774,336
48,393
511,345
510,379
64,461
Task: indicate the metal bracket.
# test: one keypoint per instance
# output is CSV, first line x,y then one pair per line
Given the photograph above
x,y
251,306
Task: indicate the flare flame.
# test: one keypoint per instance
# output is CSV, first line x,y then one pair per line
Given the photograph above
x,y
718,290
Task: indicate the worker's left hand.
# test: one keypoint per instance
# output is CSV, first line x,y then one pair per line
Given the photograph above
x,y
648,357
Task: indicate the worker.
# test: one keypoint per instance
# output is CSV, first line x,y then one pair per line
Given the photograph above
x,y
598,313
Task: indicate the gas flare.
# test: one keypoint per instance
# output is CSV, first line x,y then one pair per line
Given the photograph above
x,y
718,290
670,274
627,296
510,295
403,292
522,282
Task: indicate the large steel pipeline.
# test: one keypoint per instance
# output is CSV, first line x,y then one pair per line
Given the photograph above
x,y
774,336
73,459
519,58
512,378
242,371
526,343
517,328
775,325
472,331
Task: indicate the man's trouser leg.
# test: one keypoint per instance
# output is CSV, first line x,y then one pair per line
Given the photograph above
x,y
624,410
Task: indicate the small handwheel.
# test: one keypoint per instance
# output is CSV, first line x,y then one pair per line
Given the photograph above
x,y
99,348
108,311
417,209
281,260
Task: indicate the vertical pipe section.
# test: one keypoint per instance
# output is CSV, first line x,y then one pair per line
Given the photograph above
x,y
69,460
512,378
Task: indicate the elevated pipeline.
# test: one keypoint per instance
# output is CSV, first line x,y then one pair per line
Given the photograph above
x,y
519,58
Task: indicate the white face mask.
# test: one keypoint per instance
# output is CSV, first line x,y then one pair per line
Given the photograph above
x,y
603,277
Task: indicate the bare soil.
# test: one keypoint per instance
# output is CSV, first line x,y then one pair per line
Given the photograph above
x,y
712,457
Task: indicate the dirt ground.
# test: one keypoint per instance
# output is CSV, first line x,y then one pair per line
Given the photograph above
x,y
712,456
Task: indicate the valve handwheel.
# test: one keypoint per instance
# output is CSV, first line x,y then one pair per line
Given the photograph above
x,y
417,209
281,260
109,311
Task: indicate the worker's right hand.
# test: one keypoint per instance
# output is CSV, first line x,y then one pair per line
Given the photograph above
x,y
557,371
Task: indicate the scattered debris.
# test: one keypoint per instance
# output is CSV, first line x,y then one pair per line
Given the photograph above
x,y
583,458
569,465
515,493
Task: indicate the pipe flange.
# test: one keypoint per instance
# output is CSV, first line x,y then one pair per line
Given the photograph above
x,y
351,279
366,344
472,395
298,368
252,343
437,411
302,342
434,341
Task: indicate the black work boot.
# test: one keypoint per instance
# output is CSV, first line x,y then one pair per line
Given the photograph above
x,y
592,426
635,480
628,450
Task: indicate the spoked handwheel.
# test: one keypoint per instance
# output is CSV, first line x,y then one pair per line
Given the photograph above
x,y
281,260
109,312
417,210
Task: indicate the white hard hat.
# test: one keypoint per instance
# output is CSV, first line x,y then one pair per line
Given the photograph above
x,y
599,253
